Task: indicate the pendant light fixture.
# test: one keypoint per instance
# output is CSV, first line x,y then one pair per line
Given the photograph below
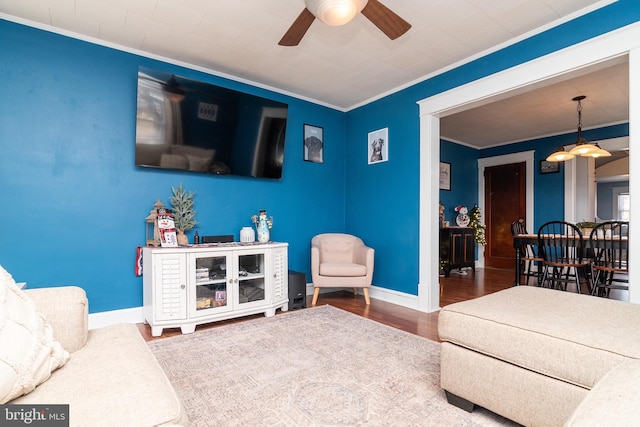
x,y
582,147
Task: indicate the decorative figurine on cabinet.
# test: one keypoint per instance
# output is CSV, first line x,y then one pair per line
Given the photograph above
x,y
463,218
263,225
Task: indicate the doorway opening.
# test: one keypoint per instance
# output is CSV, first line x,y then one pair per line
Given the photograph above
x,y
539,72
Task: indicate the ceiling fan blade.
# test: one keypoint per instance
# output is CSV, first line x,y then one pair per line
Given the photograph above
x,y
298,29
385,19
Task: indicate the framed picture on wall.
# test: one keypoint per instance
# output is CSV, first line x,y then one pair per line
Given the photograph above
x,y
549,167
313,143
445,176
378,146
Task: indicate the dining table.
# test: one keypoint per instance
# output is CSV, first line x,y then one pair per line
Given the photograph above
x,y
521,240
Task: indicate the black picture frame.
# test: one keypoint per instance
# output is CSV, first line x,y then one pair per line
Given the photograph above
x,y
549,167
445,176
313,143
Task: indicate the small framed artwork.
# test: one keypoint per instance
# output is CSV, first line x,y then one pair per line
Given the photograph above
x,y
445,176
313,143
549,167
378,146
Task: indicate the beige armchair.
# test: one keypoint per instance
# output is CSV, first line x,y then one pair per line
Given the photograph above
x,y
340,261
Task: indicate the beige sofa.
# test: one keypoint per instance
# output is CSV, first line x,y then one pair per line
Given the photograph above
x,y
111,378
543,357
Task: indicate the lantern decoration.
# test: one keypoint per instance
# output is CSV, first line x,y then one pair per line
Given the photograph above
x,y
152,232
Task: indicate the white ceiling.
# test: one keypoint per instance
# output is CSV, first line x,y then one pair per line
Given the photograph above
x,y
344,67
548,110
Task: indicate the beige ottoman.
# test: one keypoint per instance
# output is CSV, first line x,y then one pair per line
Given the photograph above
x,y
532,354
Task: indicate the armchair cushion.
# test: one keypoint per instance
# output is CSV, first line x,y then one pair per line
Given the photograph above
x,y
342,270
28,350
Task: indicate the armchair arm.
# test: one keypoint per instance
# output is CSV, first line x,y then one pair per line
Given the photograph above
x,y
66,308
315,263
364,255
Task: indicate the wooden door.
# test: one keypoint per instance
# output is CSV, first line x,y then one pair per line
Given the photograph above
x,y
505,202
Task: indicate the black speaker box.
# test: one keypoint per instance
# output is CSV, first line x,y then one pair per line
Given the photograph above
x,y
226,238
297,290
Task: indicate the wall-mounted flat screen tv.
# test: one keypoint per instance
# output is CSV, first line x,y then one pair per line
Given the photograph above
x,y
184,124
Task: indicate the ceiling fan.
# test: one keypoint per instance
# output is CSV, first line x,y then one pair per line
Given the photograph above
x,y
339,12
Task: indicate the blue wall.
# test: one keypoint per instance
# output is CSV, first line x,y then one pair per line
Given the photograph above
x,y
464,178
73,202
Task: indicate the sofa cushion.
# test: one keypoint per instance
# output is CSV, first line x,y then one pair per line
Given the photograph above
x,y
67,310
28,351
114,380
529,327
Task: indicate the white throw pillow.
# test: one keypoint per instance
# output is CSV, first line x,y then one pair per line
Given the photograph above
x,y
28,351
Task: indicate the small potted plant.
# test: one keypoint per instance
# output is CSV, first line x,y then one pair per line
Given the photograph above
x,y
184,215
586,227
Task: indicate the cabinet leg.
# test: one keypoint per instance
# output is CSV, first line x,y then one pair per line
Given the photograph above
x,y
188,329
270,312
156,331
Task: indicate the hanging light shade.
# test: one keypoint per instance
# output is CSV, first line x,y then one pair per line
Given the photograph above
x,y
560,156
582,147
600,152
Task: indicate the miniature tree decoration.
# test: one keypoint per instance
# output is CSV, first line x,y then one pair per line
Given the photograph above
x,y
478,227
183,212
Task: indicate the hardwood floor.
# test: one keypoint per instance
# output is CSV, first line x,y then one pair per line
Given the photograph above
x,y
457,287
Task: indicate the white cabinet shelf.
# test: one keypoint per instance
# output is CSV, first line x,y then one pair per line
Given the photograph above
x,y
187,286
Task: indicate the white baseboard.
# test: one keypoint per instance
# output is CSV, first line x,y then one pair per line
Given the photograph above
x,y
107,318
136,314
394,297
383,294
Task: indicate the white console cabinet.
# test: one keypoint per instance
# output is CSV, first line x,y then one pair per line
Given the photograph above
x,y
187,286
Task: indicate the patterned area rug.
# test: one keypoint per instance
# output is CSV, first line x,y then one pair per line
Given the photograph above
x,y
319,366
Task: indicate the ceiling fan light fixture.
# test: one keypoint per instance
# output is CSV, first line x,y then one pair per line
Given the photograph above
x,y
335,12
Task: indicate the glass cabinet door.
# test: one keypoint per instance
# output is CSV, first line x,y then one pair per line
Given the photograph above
x,y
251,278
210,277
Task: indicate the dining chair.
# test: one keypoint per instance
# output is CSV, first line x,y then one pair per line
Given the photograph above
x,y
528,255
562,248
610,269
